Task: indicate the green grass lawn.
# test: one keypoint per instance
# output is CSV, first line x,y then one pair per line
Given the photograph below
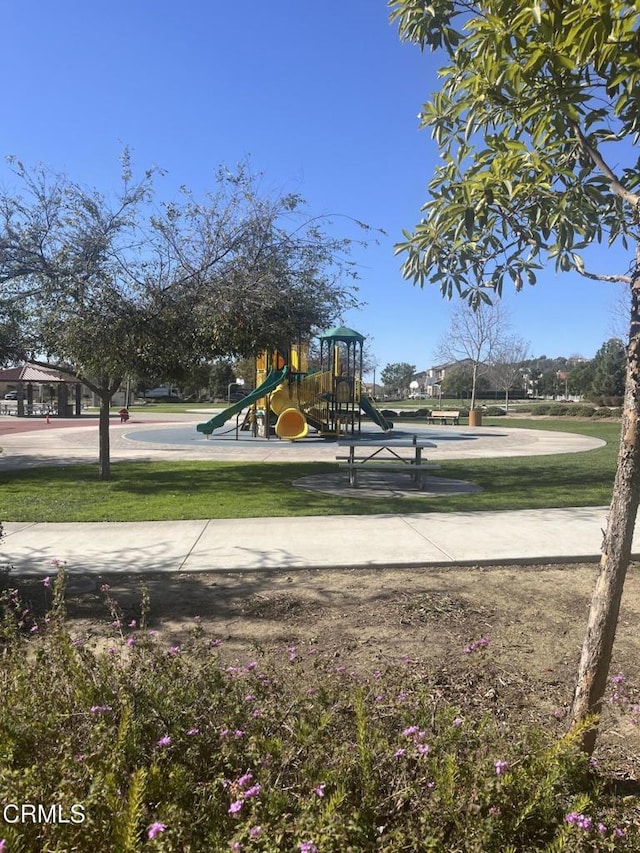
x,y
154,491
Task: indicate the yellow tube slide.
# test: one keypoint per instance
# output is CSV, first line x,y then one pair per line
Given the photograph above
x,y
280,400
291,424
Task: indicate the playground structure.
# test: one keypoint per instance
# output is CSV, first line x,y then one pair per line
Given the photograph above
x,y
289,398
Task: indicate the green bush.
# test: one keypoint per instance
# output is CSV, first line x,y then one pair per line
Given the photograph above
x,y
564,410
541,409
607,401
494,411
606,412
166,748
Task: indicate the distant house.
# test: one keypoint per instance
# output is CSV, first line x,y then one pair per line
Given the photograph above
x,y
429,380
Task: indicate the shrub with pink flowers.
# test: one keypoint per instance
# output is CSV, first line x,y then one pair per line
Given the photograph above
x,y
166,752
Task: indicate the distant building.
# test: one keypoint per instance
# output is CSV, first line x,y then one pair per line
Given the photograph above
x,y
429,380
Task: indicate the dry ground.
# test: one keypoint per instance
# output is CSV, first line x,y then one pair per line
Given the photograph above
x,y
534,617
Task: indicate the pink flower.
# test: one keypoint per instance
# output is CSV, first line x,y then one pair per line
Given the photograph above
x,y
235,807
253,791
156,829
164,741
501,766
319,789
255,831
46,582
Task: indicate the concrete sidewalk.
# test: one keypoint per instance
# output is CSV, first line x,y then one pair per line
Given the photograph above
x,y
311,542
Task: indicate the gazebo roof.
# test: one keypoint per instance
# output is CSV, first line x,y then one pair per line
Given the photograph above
x,y
34,373
342,333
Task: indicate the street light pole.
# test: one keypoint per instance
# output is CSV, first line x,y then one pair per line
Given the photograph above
x,y
237,383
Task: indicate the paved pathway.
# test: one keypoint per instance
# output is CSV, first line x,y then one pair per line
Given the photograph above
x,y
311,542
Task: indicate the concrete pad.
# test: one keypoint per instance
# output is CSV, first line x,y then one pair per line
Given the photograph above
x,y
376,485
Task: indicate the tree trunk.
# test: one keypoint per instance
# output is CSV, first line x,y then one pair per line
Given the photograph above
x,y
103,436
474,380
616,547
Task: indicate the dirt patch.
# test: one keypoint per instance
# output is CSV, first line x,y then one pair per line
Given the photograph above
x,y
505,639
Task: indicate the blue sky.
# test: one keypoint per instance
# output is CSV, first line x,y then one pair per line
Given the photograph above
x,y
321,96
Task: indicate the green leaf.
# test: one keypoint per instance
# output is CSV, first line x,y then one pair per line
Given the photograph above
x,y
537,12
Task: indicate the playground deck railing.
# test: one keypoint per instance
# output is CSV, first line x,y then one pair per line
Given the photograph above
x,y
312,392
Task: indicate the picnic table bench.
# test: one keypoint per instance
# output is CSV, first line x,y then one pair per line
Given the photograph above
x,y
383,456
443,417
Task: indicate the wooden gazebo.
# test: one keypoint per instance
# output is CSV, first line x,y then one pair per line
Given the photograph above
x,y
43,390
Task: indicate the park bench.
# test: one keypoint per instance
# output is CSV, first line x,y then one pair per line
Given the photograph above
x,y
442,417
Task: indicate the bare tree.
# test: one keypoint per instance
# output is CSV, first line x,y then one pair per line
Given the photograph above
x,y
474,334
506,363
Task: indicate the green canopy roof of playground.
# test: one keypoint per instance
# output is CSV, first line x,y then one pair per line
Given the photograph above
x,y
342,333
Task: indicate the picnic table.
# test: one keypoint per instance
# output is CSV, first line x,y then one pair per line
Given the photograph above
x,y
385,456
